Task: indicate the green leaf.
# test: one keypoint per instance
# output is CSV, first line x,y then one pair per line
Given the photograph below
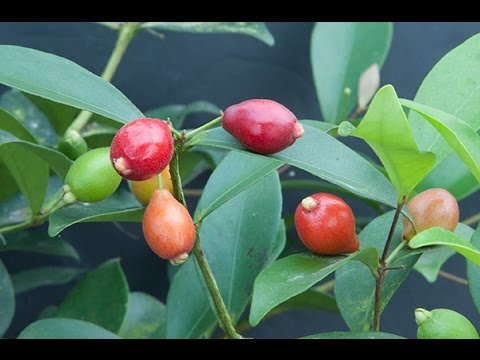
x,y
29,172
145,318
61,80
65,329
179,112
101,297
98,134
257,30
295,274
236,173
337,164
38,242
312,299
354,283
385,128
440,236
47,312
339,53
473,273
11,125
21,108
431,262
459,135
49,275
452,86
192,164
238,240
7,299
320,125
121,206
353,335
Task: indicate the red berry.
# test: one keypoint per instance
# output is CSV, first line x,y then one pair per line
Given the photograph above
x,y
326,224
262,126
141,149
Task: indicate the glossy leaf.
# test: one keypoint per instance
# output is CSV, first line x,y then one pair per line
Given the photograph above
x,y
101,297
243,171
431,262
192,164
353,335
38,242
337,164
295,274
439,236
459,135
145,318
339,53
47,312
179,112
121,206
7,299
354,283
65,329
257,30
61,80
386,129
452,86
237,240
11,125
312,299
473,273
49,275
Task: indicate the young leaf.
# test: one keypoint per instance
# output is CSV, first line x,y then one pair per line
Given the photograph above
x,y
354,283
61,80
101,297
337,164
11,125
145,318
385,128
452,86
339,53
121,206
431,262
49,275
257,30
459,135
7,299
65,329
353,335
440,236
237,240
295,274
473,273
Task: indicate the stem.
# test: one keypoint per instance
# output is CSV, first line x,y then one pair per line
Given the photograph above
x,y
395,251
472,219
454,278
221,311
383,268
193,192
125,36
16,227
204,127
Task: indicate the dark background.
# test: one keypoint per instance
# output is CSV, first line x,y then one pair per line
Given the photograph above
x,y
226,69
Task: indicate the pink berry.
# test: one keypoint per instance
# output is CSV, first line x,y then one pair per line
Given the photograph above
x,y
262,126
141,149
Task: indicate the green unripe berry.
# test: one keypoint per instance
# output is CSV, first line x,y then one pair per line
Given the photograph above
x,y
91,177
73,145
443,324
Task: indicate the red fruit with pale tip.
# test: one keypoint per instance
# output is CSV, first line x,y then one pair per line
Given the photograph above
x,y
262,126
141,149
326,225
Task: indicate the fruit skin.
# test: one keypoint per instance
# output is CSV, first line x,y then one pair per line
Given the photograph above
x,y
443,324
141,149
432,207
91,177
168,227
326,224
262,126
143,190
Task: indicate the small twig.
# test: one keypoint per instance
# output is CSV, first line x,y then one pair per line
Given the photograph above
x,y
283,169
472,219
124,231
193,192
156,33
454,278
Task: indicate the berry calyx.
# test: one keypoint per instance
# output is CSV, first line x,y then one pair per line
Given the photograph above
x,y
326,224
262,126
141,149
168,227
432,207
